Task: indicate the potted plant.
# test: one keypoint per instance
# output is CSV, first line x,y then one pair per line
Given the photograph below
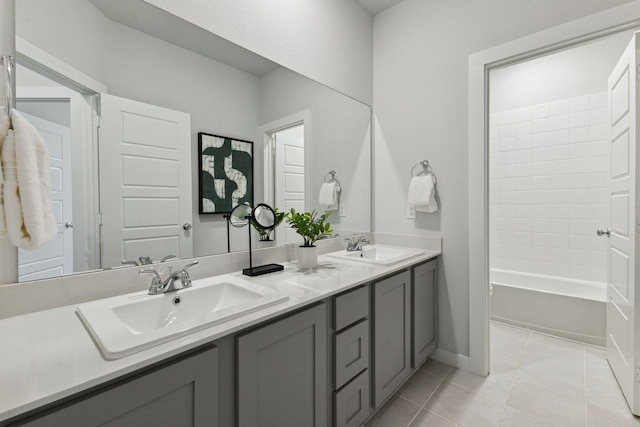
x,y
312,228
266,233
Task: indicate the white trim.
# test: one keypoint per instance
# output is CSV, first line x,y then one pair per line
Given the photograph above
x,y
450,358
613,20
46,64
264,134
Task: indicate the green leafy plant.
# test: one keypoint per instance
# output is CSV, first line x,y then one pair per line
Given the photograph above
x,y
265,233
310,226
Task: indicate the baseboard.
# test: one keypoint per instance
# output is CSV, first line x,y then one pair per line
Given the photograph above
x,y
450,358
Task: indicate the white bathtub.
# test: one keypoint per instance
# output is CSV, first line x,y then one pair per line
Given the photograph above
x,y
573,309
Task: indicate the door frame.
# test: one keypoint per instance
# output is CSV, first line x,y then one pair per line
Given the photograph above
x,y
82,92
622,18
264,134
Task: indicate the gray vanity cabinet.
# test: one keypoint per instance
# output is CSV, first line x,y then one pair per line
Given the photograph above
x,y
392,334
424,297
282,372
182,393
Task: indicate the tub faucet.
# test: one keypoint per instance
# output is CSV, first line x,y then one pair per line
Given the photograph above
x,y
177,280
356,244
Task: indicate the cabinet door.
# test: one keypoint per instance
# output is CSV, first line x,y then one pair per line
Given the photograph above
x,y
282,372
183,393
392,334
425,282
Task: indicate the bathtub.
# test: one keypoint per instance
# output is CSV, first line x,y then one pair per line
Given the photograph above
x,y
573,309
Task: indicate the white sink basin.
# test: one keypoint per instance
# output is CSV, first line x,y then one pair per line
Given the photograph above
x,y
126,324
378,254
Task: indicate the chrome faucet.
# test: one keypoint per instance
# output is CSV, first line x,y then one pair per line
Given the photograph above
x,y
356,244
177,280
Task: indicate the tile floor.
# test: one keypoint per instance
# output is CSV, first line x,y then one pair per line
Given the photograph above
x,y
536,380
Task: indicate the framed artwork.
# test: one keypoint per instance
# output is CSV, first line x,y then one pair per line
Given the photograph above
x,y
226,173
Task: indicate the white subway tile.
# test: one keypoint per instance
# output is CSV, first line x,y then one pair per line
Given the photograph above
x,y
507,184
579,103
580,211
579,196
599,211
494,145
599,164
507,197
523,238
521,224
523,128
598,274
494,119
522,156
599,148
522,142
523,114
539,125
598,100
559,137
522,170
579,150
580,272
559,122
599,132
507,117
558,269
576,120
506,144
506,211
579,181
507,131
579,134
493,158
599,116
579,241
599,180
506,157
581,226
577,257
558,108
539,111
540,140
522,211
522,183
578,166
523,198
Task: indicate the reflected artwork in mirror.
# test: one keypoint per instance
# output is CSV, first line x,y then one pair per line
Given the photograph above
x,y
71,52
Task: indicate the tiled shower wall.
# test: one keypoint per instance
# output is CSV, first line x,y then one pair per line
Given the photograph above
x,y
549,172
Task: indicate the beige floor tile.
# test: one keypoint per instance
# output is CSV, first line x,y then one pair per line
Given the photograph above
x,y
600,417
507,346
537,402
561,374
419,387
496,386
601,387
515,418
397,412
429,419
464,407
435,368
544,346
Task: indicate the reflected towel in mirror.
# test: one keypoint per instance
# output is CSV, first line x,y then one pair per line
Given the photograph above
x,y
422,193
329,196
4,130
27,187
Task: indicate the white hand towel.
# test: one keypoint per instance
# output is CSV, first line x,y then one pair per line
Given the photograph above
x,y
422,193
25,160
328,196
4,130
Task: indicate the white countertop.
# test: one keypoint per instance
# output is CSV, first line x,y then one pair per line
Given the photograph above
x,y
48,355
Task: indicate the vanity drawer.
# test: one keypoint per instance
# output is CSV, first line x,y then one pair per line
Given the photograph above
x,y
352,352
351,307
352,402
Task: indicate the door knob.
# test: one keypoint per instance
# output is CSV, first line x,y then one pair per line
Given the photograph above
x,y
68,225
186,226
602,232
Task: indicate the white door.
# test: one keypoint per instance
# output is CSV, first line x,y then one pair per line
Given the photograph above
x,y
54,258
289,175
145,181
623,334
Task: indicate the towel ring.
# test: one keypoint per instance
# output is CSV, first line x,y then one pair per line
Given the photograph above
x,y
8,64
331,177
426,170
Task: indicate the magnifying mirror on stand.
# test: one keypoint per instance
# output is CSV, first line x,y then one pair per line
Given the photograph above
x,y
265,217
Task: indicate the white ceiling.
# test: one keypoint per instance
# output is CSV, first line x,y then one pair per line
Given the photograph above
x,y
376,6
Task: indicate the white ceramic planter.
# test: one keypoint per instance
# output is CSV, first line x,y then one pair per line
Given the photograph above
x,y
307,256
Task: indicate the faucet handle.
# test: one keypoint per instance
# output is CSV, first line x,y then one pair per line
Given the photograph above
x,y
156,282
188,266
151,271
167,257
145,260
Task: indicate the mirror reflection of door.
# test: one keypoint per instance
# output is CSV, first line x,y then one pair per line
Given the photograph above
x,y
289,173
55,257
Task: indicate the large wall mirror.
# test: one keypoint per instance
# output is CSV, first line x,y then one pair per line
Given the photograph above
x,y
126,164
